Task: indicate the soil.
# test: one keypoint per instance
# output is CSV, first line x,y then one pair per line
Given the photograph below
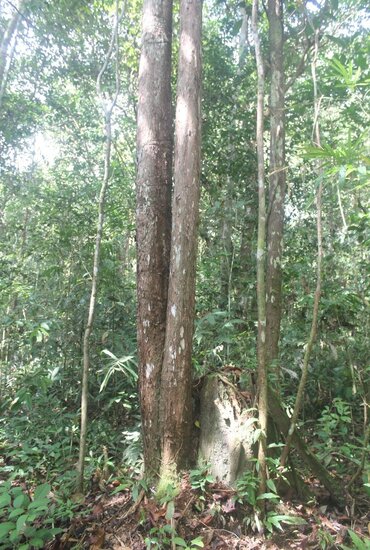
x,y
116,521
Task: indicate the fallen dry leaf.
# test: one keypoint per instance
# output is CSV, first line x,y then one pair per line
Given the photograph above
x,y
97,540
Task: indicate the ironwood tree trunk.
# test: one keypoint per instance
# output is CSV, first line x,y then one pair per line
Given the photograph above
x,y
277,188
153,214
176,372
261,255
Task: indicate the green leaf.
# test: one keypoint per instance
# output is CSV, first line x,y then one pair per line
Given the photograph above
x,y
257,434
37,543
271,485
15,513
42,491
21,522
359,544
5,500
180,542
5,487
170,510
19,500
120,488
249,422
39,505
272,496
5,528
198,542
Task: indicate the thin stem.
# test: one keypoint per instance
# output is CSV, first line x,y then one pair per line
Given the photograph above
x,y
98,240
315,314
261,254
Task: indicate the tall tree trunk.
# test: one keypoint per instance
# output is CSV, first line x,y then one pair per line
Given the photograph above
x,y
153,214
261,254
6,46
277,189
176,375
108,109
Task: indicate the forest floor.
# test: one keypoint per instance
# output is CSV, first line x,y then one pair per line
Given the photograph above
x,y
116,521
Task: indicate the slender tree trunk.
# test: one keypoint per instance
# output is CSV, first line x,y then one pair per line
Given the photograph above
x,y
6,46
261,254
176,375
153,215
99,233
277,189
316,305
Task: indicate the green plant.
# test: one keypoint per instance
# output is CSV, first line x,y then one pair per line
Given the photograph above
x,y
125,365
159,537
200,478
26,523
334,420
273,521
358,542
141,485
325,539
194,544
247,489
247,493
333,431
165,536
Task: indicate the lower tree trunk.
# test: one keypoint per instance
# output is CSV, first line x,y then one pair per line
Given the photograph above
x,y
153,216
176,385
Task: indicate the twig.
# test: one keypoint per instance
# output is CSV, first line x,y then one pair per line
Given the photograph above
x,y
132,508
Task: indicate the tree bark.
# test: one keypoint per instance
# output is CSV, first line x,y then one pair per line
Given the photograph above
x,y
277,189
153,214
261,254
176,373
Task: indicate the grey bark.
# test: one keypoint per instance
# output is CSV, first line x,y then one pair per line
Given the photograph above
x,y
226,431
